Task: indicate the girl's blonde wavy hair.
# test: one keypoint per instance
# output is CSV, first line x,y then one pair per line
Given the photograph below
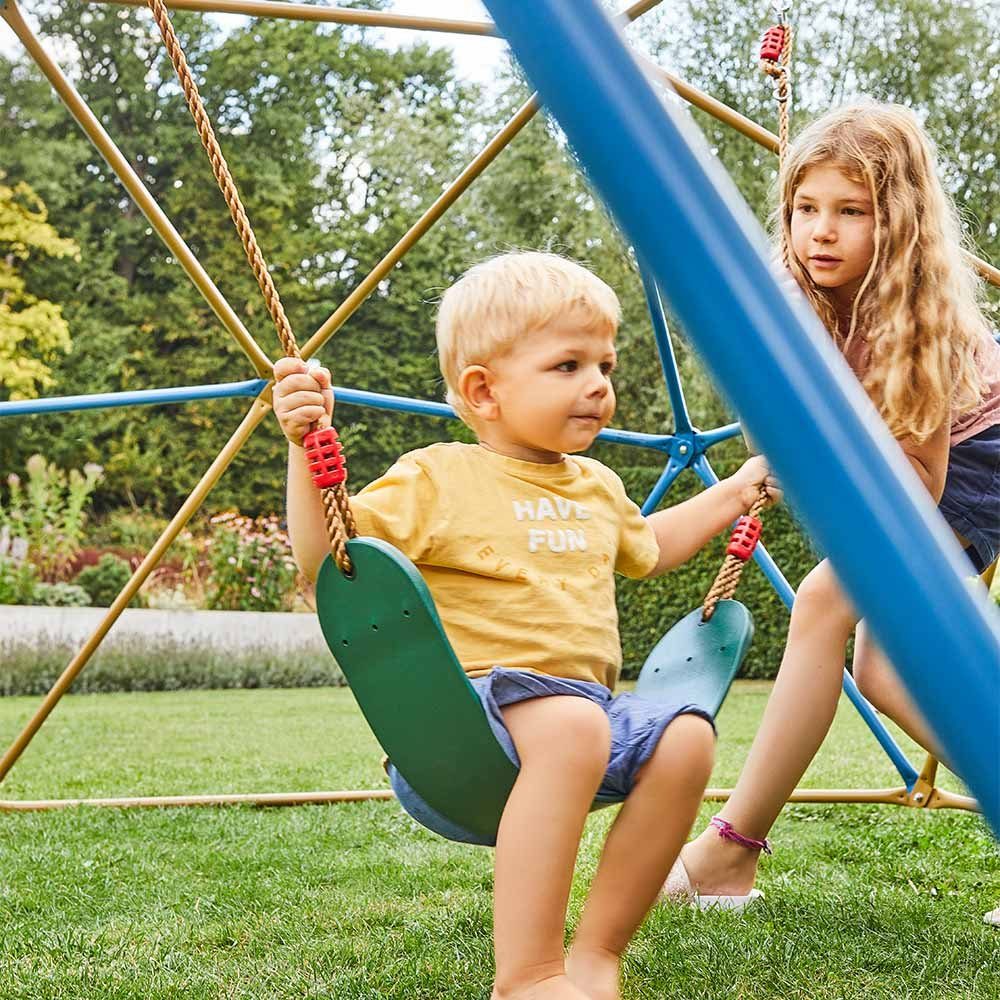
x,y
917,307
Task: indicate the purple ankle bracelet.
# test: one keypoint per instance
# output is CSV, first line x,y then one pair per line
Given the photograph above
x,y
726,832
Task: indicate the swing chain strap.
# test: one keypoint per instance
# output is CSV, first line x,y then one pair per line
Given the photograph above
x,y
728,578
336,502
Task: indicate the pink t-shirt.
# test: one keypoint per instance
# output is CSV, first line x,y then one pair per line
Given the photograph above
x,y
985,414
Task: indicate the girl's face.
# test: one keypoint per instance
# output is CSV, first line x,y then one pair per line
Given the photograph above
x,y
833,231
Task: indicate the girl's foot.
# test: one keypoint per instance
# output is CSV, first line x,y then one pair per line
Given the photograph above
x,y
595,971
718,865
554,988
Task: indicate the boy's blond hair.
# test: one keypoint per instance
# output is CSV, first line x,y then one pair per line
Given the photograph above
x,y
501,299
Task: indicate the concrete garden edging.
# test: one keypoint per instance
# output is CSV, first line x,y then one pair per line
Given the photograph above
x,y
275,631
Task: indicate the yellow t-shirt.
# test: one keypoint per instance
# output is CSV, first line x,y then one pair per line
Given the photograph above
x,y
520,557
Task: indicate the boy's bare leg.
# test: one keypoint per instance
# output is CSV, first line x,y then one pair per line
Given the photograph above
x,y
564,744
642,845
796,720
879,683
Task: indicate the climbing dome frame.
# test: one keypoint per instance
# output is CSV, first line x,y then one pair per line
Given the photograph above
x,y
835,467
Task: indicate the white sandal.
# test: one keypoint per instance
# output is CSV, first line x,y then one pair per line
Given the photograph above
x,y
678,886
678,889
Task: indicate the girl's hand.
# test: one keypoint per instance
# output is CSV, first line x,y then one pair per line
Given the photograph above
x,y
749,477
302,397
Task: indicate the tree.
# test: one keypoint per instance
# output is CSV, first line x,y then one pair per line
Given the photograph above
x,y
307,118
32,330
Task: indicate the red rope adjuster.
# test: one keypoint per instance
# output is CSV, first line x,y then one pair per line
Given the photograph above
x,y
325,457
744,538
773,43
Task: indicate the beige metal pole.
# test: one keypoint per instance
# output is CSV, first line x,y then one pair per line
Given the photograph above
x,y
172,801
86,119
260,408
344,15
324,14
937,799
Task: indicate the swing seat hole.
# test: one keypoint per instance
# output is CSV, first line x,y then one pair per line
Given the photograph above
x,y
690,658
374,628
344,642
406,614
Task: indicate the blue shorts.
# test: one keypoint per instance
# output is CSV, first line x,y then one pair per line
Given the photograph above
x,y
971,499
636,728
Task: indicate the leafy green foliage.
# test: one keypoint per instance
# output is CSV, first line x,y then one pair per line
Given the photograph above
x,y
49,511
251,563
33,331
105,580
18,579
60,595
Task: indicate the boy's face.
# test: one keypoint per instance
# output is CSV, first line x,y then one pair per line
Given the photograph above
x,y
551,394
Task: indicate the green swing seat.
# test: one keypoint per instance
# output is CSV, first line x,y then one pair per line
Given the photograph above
x,y
383,629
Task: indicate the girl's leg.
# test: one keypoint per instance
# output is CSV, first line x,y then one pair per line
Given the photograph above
x,y
564,744
879,683
642,845
796,720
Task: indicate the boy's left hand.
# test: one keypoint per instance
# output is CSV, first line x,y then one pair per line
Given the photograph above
x,y
747,479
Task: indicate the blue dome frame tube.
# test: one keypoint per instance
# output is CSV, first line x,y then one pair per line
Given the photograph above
x,y
896,557
665,348
138,397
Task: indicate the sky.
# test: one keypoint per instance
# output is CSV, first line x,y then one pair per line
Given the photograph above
x,y
476,58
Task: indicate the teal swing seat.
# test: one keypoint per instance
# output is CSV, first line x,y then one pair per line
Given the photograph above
x,y
382,627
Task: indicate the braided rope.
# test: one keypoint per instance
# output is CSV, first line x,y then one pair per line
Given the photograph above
x,y
336,502
731,571
780,72
728,577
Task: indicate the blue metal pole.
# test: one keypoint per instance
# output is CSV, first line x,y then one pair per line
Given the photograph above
x,y
860,498
665,347
405,404
138,397
671,471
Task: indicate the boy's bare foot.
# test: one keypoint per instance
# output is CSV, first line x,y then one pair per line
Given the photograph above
x,y
718,867
553,988
595,971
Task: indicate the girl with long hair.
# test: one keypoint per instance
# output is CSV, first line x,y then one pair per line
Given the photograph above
x,y
874,242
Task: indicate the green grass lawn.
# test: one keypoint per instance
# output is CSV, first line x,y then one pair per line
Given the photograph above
x,y
355,901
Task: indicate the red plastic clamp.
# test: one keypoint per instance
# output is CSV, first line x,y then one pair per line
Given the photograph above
x,y
744,538
325,456
773,43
